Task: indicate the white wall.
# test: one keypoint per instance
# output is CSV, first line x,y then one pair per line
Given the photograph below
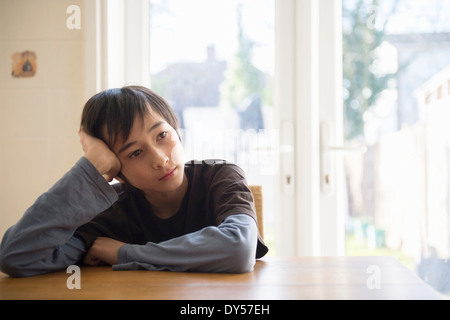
x,y
39,115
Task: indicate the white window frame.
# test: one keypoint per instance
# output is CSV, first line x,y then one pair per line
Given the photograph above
x,y
118,52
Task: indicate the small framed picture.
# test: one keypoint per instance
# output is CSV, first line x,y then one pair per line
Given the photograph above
x,y
24,64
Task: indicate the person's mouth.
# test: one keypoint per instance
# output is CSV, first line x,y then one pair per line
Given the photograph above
x,y
168,175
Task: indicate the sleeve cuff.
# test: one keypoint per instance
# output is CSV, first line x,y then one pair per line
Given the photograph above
x,y
107,190
122,258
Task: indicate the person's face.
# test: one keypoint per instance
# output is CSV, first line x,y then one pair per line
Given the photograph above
x,y
152,157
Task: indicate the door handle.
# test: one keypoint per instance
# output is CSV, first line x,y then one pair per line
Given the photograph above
x,y
326,149
287,161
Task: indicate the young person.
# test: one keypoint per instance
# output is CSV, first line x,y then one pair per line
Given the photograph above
x,y
163,215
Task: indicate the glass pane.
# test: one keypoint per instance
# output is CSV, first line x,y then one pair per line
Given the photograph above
x,y
213,60
397,102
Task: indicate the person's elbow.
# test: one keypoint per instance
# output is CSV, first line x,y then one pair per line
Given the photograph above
x,y
243,249
12,270
9,267
242,259
16,265
10,261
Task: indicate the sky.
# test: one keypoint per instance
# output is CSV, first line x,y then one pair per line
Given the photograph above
x,y
411,16
182,30
415,16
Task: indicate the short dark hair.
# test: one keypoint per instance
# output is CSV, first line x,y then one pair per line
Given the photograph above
x,y
115,111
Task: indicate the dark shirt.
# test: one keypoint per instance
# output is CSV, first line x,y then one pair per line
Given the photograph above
x,y
216,190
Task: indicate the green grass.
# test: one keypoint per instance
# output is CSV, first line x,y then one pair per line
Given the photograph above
x,y
354,247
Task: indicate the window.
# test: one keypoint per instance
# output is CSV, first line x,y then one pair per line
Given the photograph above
x,y
396,102
213,60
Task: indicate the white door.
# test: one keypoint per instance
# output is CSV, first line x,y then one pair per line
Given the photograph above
x,y
309,76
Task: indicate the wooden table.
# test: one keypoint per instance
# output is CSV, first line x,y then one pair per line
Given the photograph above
x,y
273,278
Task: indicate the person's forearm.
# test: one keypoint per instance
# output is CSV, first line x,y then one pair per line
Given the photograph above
x,y
37,243
228,248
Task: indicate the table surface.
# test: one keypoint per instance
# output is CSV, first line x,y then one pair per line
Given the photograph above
x,y
274,278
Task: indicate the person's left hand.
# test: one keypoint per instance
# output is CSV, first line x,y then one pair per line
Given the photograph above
x,y
103,251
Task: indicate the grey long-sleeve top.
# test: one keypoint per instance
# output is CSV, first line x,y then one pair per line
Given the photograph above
x,y
43,239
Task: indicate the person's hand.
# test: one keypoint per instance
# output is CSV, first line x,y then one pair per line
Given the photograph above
x,y
100,155
103,251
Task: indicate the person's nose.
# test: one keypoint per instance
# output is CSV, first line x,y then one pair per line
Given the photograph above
x,y
159,159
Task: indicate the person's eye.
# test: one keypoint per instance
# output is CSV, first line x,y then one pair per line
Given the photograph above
x,y
162,135
135,154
